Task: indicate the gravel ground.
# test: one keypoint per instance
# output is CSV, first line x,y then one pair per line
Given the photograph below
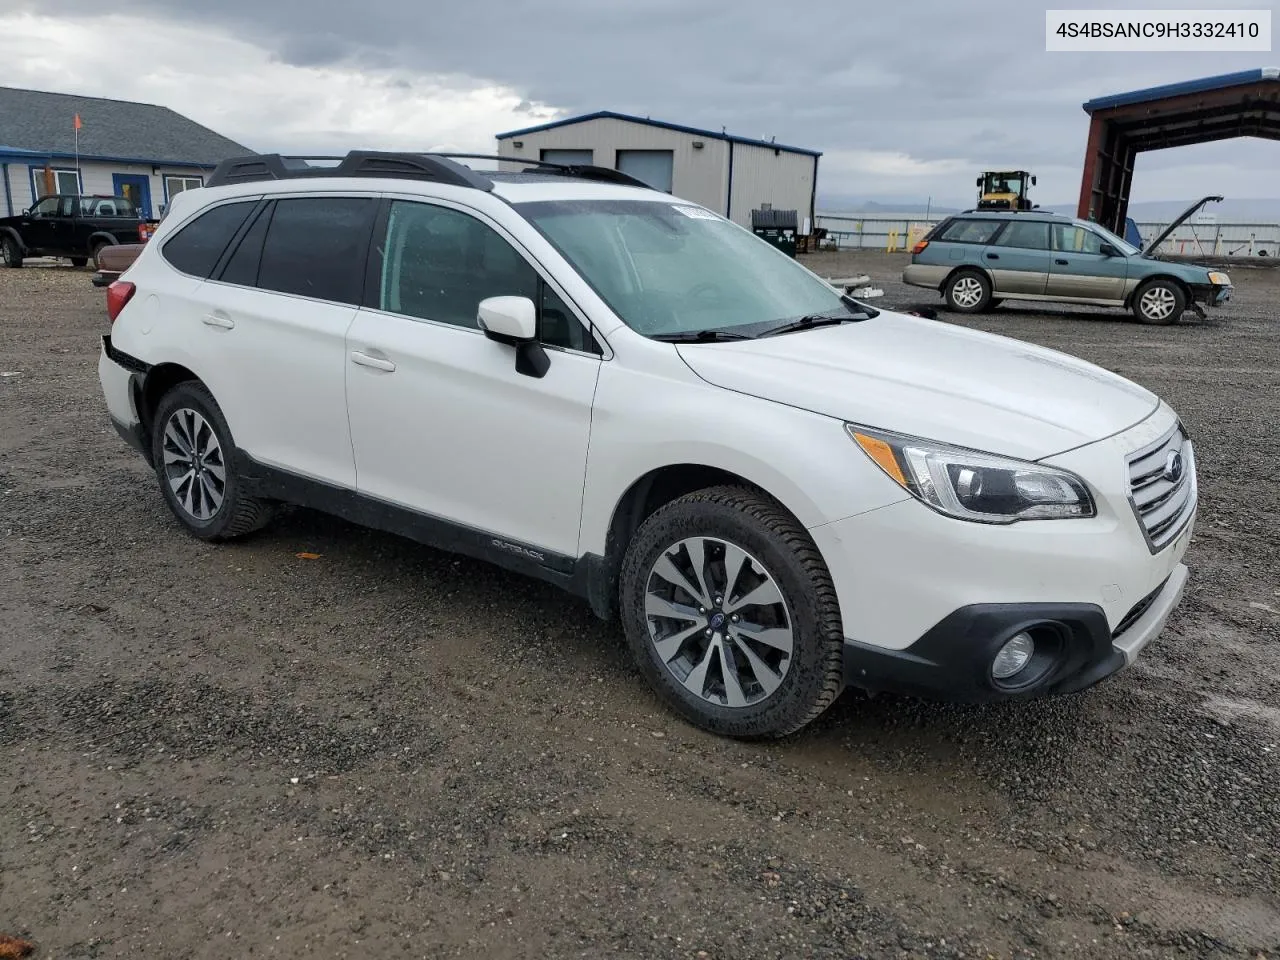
x,y
387,751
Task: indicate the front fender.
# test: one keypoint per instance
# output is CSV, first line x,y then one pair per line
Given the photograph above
x,y
804,460
10,232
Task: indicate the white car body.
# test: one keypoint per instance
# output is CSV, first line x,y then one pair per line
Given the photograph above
x,y
432,418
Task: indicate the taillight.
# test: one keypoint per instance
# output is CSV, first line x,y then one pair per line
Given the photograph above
x,y
118,294
145,230
919,247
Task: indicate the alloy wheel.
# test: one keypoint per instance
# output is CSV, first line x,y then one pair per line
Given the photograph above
x,y
1158,303
967,292
718,622
193,464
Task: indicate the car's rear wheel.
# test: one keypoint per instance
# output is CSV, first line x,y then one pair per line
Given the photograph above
x,y
11,251
968,291
194,458
1159,301
79,261
731,614
97,249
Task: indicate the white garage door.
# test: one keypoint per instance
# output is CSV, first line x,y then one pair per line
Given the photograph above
x,y
651,166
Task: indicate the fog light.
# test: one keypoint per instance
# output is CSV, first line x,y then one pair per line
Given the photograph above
x,y
1013,656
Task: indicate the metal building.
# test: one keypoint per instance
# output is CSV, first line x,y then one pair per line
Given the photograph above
x,y
1244,104
729,174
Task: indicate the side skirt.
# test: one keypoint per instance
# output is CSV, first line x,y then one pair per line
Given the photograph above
x,y
579,576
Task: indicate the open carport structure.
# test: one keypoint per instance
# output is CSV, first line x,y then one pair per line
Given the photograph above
x,y
1244,104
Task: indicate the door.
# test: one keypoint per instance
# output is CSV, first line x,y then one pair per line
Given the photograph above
x,y
136,188
41,227
269,326
1080,269
441,420
567,157
1019,257
654,167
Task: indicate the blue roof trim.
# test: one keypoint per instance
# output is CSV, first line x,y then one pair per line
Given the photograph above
x,y
15,154
1221,82
680,128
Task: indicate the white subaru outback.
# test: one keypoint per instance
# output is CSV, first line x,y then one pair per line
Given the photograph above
x,y
779,490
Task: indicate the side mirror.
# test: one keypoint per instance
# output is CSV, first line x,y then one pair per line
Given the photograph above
x,y
514,321
1033,181
1107,250
509,320
978,182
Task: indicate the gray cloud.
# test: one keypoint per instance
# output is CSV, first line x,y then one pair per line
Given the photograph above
x,y
934,79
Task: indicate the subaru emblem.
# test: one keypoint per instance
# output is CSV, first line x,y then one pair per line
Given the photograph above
x,y
1173,467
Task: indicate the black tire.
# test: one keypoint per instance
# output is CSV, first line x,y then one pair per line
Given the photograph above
x,y
79,261
11,252
236,514
760,527
97,249
1159,301
968,291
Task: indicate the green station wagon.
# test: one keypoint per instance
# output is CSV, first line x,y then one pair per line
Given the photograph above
x,y
980,258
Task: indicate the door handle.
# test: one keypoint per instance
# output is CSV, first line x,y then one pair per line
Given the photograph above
x,y
993,256
217,320
1061,263
377,363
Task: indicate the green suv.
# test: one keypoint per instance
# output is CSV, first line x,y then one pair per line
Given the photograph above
x,y
981,258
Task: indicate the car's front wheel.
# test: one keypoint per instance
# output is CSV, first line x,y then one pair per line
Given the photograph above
x,y
731,614
969,291
1159,301
194,458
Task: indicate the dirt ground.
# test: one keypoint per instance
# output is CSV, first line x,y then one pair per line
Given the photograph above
x,y
386,751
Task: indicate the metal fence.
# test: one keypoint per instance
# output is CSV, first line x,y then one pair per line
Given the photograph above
x,y
848,232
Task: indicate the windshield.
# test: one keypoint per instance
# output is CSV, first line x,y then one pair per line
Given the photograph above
x,y
1128,249
1002,183
668,268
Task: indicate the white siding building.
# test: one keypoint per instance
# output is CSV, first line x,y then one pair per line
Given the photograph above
x,y
136,150
731,175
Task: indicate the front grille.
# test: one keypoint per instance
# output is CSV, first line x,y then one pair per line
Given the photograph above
x,y
1162,487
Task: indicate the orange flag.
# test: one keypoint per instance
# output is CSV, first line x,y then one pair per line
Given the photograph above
x,y
78,124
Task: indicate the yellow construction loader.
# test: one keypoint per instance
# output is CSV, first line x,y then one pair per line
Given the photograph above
x,y
1004,190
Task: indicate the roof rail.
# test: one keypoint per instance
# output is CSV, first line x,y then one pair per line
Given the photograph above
x,y
357,163
435,167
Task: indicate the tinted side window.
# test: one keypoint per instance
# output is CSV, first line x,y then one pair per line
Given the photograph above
x,y
316,247
1075,239
1025,234
195,248
242,268
970,231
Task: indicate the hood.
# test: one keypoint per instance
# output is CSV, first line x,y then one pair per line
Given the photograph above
x,y
1186,214
932,380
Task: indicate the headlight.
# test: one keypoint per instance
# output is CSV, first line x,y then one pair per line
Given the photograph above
x,y
1219,279
975,486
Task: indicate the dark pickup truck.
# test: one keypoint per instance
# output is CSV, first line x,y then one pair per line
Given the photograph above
x,y
76,227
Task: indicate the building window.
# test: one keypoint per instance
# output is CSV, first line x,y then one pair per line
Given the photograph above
x,y
175,185
57,181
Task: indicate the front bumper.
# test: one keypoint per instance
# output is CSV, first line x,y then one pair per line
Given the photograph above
x,y
1211,295
952,661
926,600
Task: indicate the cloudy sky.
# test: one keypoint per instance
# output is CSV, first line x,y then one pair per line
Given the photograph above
x,y
906,99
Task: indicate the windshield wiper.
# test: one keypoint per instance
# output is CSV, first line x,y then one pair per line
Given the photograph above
x,y
814,320
700,336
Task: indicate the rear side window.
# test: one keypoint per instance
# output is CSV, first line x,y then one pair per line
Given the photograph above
x,y
316,247
195,248
1025,234
970,231
242,268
